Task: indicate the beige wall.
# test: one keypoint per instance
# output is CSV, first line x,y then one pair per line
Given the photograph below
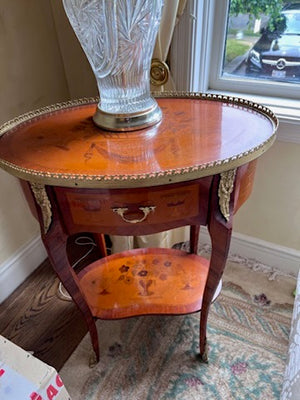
x,y
31,75
272,213
79,75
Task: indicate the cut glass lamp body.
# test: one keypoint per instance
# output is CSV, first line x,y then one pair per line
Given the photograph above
x,y
118,38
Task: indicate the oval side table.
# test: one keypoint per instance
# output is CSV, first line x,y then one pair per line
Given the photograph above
x,y
196,167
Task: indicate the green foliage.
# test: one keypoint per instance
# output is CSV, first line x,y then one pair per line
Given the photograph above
x,y
256,7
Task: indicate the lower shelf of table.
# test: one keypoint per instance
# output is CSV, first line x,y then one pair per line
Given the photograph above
x,y
145,281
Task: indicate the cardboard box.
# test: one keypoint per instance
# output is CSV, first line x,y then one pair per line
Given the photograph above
x,y
22,376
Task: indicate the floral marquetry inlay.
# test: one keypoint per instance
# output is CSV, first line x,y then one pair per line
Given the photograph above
x,y
145,280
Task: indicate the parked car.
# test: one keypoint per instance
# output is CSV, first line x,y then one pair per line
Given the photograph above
x,y
277,53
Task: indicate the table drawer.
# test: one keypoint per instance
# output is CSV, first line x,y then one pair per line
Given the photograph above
x,y
128,211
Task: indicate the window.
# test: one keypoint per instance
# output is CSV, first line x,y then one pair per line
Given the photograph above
x,y
262,48
226,54
257,55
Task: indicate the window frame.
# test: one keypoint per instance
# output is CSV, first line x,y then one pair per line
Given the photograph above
x,y
198,39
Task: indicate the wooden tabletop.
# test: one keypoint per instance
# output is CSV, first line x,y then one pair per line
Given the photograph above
x,y
199,135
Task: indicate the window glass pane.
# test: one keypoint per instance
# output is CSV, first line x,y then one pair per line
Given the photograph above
x,y
261,44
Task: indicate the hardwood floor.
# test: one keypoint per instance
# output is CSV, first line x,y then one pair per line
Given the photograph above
x,y
36,318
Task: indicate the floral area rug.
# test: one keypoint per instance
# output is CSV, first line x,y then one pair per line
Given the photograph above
x,y
155,357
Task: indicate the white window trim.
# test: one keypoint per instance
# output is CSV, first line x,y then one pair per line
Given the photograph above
x,y
197,31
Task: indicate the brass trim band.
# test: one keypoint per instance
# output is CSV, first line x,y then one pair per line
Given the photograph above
x,y
138,180
52,109
9,125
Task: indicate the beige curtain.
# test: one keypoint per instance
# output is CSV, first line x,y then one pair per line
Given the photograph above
x,y
172,11
161,78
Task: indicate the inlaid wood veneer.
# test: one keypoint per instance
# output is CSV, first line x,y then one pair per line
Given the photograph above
x,y
196,167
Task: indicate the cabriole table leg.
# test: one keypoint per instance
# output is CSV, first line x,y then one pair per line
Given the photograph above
x,y
55,241
220,233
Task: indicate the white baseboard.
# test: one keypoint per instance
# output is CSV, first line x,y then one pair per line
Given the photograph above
x,y
278,257
20,265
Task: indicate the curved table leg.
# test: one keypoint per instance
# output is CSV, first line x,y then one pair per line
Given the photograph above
x,y
100,242
220,233
194,238
55,240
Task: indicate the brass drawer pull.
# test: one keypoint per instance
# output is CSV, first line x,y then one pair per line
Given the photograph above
x,y
122,210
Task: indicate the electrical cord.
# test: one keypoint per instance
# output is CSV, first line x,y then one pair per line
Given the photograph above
x,y
80,241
